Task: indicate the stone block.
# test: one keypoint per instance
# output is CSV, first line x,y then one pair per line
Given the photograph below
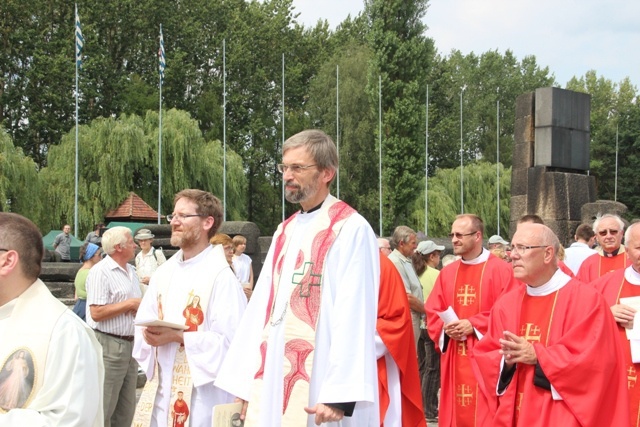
x,y
582,190
561,148
548,194
590,211
524,130
525,105
564,229
519,182
562,108
523,155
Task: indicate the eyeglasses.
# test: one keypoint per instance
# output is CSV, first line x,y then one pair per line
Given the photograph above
x,y
460,235
282,168
521,249
5,250
610,231
386,248
181,217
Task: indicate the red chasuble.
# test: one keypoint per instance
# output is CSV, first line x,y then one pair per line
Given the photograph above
x,y
613,286
579,354
596,266
396,331
471,290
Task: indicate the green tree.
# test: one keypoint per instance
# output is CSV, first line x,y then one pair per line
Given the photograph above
x,y
402,57
19,189
480,198
121,155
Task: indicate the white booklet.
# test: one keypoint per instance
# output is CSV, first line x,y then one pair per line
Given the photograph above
x,y
161,323
227,415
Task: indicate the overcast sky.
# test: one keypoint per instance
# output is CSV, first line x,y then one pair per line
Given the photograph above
x,y
569,36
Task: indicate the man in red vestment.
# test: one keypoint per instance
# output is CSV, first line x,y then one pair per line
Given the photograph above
x,y
180,411
625,283
611,256
470,286
551,355
398,364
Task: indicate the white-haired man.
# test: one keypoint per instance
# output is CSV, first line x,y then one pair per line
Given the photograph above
x,y
615,287
609,229
113,297
541,362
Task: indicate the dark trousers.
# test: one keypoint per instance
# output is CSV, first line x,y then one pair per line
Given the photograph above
x,y
429,364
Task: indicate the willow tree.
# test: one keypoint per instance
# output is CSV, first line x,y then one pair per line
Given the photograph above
x,y
18,180
480,198
120,155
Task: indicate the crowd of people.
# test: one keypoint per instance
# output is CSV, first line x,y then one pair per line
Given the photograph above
x,y
341,328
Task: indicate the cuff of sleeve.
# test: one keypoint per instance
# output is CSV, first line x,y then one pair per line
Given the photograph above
x,y
346,407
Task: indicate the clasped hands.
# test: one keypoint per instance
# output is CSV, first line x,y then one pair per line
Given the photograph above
x,y
516,349
323,413
458,329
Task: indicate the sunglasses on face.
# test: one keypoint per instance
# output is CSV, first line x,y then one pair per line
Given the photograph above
x,y
609,231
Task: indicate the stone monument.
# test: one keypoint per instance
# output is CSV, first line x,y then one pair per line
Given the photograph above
x,y
550,168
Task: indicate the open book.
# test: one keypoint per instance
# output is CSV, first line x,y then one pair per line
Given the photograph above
x,y
161,323
227,415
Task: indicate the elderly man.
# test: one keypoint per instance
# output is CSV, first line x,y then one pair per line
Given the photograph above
x,y
197,288
615,287
384,245
306,341
51,364
113,296
542,362
611,256
470,286
580,250
404,240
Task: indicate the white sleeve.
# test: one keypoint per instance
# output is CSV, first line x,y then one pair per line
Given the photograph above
x,y
72,391
207,348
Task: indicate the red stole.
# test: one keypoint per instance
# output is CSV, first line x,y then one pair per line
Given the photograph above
x,y
632,369
466,303
535,322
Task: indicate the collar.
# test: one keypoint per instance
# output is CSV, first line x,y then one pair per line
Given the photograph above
x,y
400,256
484,256
557,281
181,260
7,309
579,245
632,276
313,209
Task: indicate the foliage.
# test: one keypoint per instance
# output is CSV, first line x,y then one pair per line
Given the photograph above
x,y
479,198
614,108
18,180
121,155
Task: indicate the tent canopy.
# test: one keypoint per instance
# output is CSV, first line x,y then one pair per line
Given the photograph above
x,y
75,244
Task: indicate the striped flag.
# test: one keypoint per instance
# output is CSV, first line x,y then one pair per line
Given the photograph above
x,y
79,41
161,61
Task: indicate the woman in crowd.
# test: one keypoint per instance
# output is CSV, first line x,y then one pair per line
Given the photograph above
x,y
90,255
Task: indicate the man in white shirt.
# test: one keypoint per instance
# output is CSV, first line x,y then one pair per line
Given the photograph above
x,y
581,249
51,367
113,296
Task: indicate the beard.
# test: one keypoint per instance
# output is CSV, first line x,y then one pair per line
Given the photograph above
x,y
189,237
300,194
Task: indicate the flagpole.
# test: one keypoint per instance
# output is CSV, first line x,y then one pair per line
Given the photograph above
x,y
282,133
79,44
380,151
615,185
338,128
426,169
161,65
224,129
461,156
498,161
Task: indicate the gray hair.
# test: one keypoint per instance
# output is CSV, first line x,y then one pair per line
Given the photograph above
x,y
599,218
320,146
401,234
627,234
114,236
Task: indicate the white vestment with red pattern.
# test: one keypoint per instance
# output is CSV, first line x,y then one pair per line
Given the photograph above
x,y
344,363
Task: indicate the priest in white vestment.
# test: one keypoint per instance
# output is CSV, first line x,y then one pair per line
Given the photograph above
x,y
304,353
51,370
195,287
